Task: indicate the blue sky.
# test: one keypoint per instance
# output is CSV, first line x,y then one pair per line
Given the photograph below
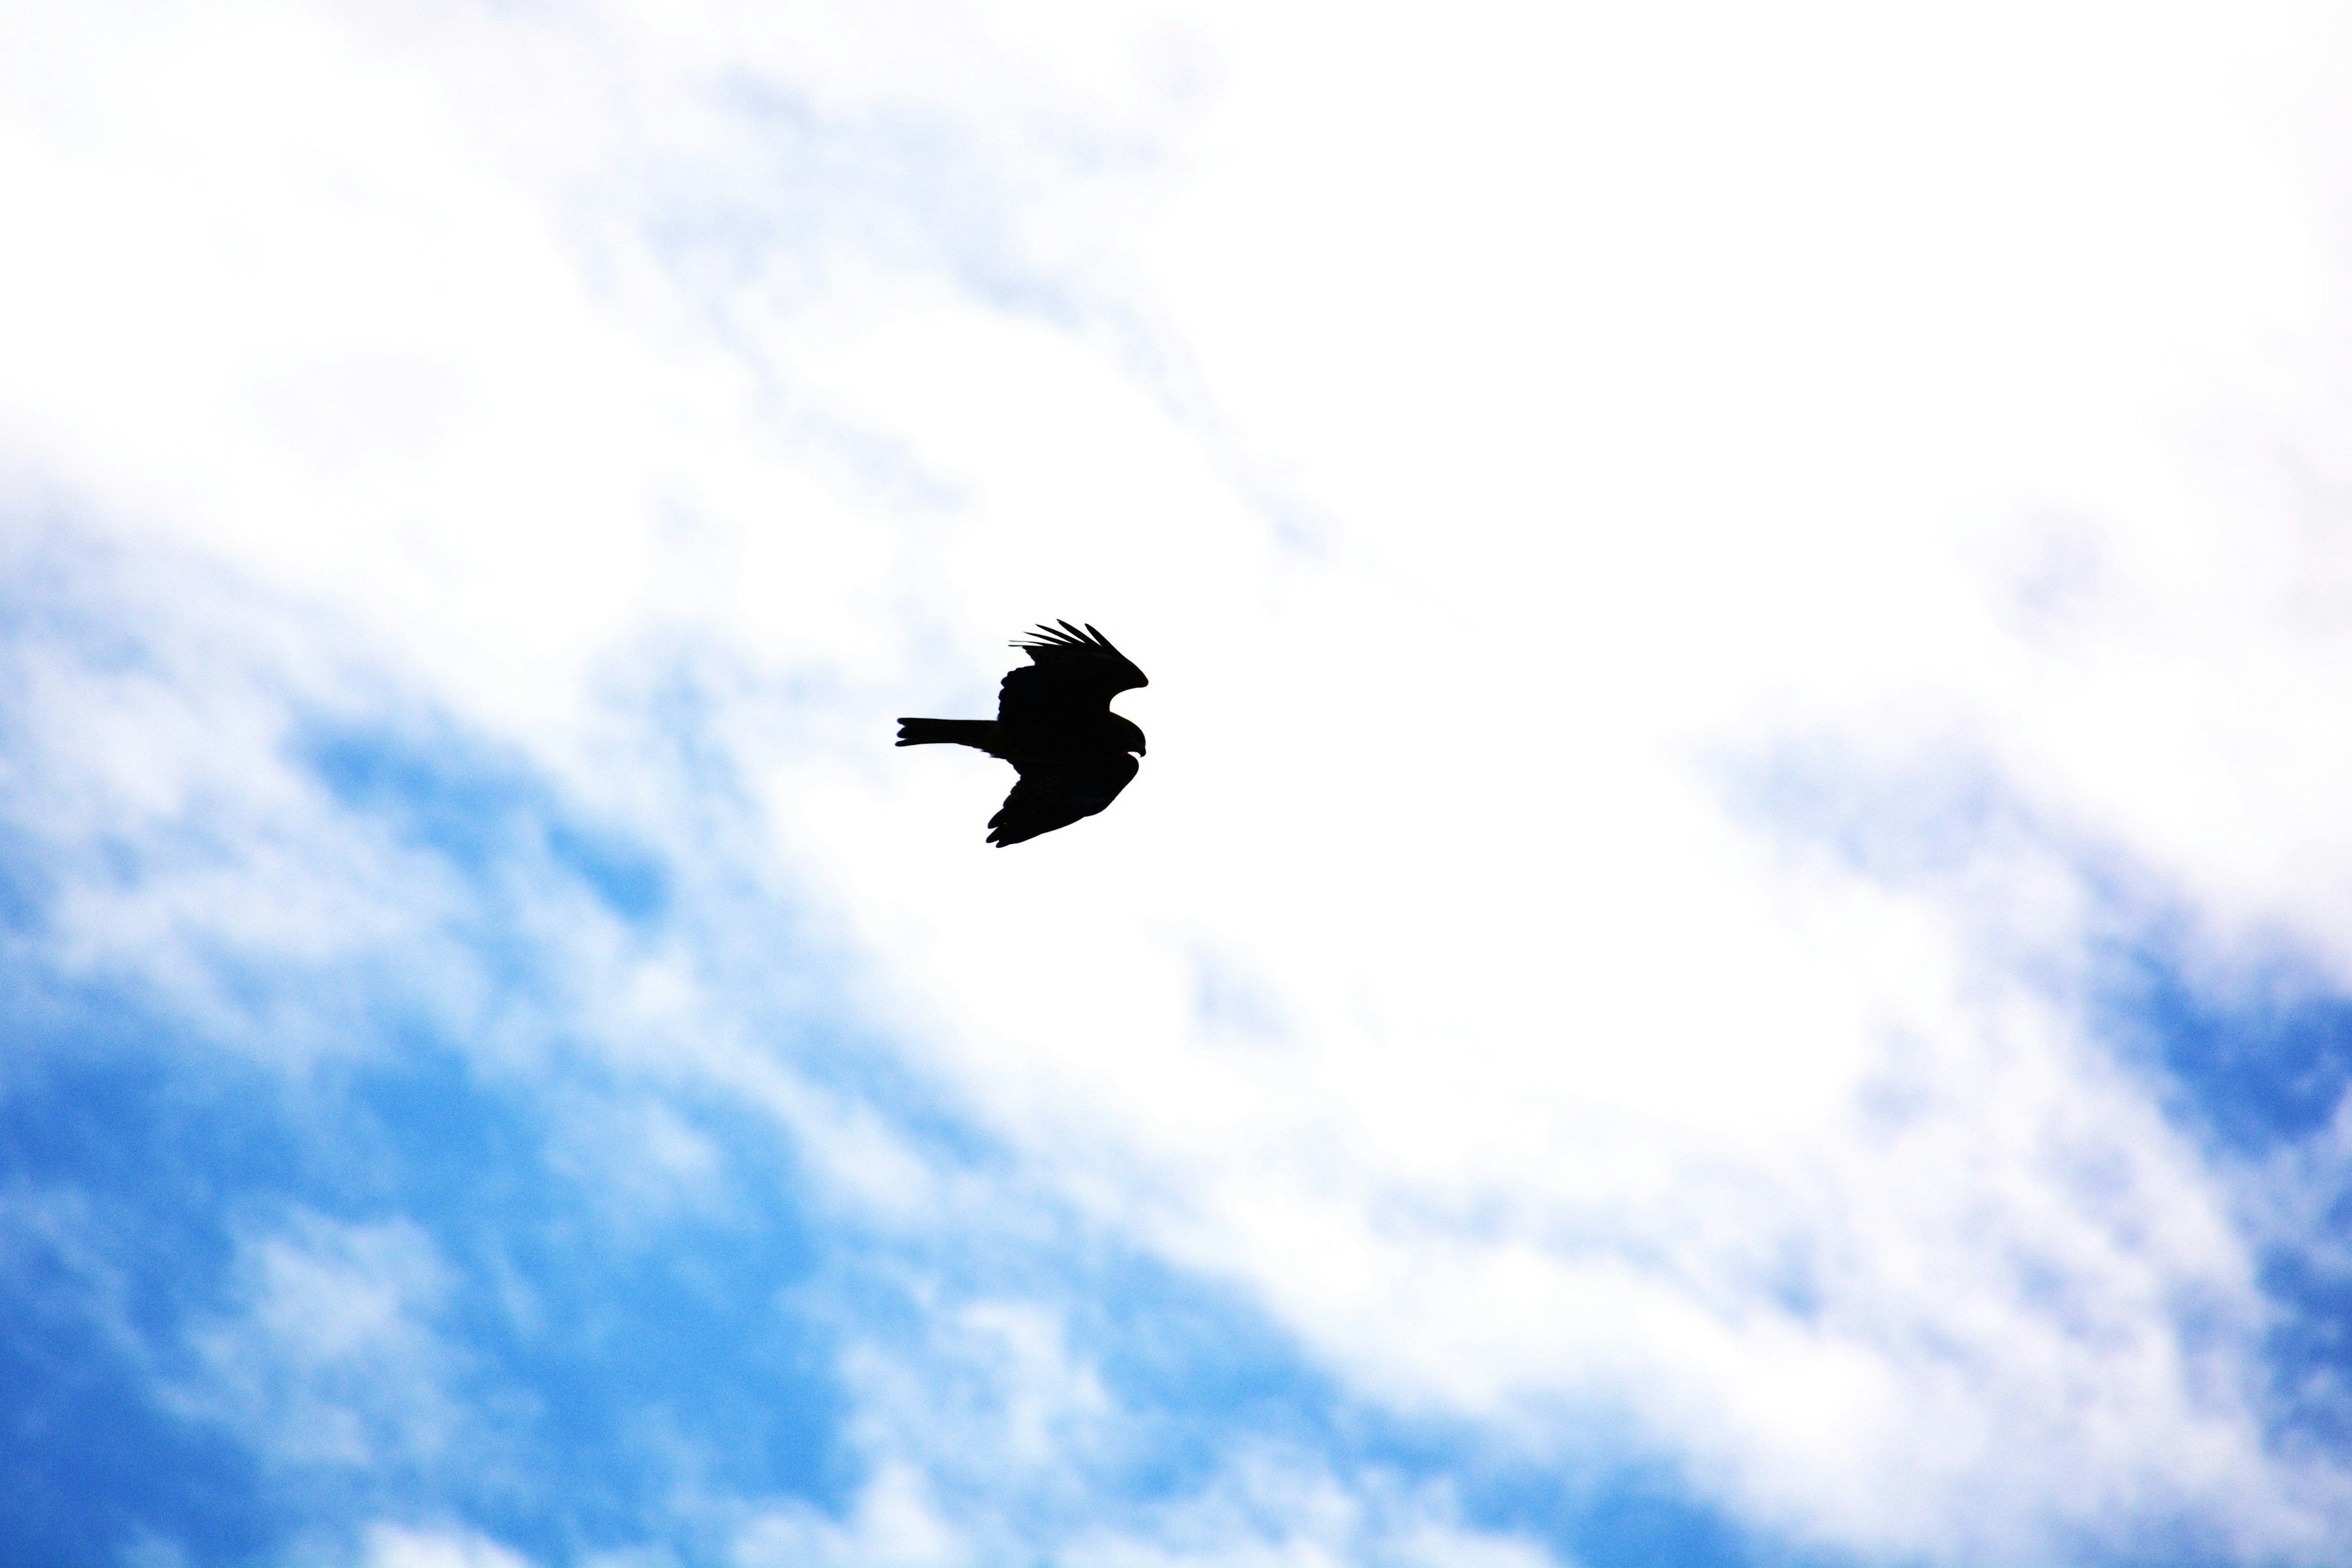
x,y
1730,949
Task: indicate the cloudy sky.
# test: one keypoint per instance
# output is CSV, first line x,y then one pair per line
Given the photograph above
x,y
1735,948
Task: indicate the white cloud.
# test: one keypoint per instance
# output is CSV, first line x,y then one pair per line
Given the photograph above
x,y
327,1358
395,1546
988,1432
1491,438
1269,1512
333,1357
894,1523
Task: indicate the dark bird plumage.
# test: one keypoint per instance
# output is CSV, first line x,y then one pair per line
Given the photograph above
x,y
1055,725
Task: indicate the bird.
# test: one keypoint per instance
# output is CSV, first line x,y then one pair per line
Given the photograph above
x,y
1055,725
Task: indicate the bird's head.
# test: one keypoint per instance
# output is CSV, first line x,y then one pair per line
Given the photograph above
x,y
1130,736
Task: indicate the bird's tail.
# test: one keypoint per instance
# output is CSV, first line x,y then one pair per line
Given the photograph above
x,y
979,732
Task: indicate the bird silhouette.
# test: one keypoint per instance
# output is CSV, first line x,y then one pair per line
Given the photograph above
x,y
1055,725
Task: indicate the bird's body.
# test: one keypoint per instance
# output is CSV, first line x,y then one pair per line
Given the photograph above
x,y
1055,725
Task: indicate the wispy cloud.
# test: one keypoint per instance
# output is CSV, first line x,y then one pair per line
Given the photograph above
x,y
1729,949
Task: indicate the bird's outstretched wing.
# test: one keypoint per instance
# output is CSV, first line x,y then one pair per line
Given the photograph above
x,y
1056,794
1071,674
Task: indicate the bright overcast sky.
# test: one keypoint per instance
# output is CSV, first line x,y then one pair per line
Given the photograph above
x,y
1735,948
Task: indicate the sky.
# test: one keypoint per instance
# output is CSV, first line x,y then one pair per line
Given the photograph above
x,y
1733,950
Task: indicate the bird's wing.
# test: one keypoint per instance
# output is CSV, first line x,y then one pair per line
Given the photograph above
x,y
1056,794
1072,673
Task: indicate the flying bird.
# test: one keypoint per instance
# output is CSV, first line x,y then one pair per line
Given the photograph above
x,y
1055,725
